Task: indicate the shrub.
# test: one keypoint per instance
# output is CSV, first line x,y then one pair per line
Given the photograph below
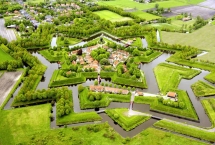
x,y
102,83
96,82
116,116
80,88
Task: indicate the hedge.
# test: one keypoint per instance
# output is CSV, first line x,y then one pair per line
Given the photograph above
x,y
106,75
90,75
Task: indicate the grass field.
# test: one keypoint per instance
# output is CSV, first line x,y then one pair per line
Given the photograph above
x,y
209,106
203,89
145,15
142,6
22,122
126,122
71,41
202,38
113,17
210,77
4,56
36,1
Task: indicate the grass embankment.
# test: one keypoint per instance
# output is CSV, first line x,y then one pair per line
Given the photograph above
x,y
203,89
113,17
78,118
210,77
209,106
104,101
23,122
127,122
129,82
49,57
201,39
106,75
169,76
186,129
66,41
5,56
58,80
148,58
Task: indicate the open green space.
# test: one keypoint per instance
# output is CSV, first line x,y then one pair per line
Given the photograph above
x,y
210,77
52,58
113,17
23,122
203,89
126,4
121,116
65,41
78,118
185,129
169,76
4,56
36,1
201,39
209,106
145,15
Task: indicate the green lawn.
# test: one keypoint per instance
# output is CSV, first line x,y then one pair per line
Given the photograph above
x,y
71,41
22,122
145,15
79,117
125,4
36,1
209,106
179,23
113,17
210,77
186,129
169,76
5,56
125,121
202,38
203,89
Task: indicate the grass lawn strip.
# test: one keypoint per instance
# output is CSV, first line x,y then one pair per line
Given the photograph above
x,y
209,106
203,89
108,15
152,136
127,122
49,57
147,59
186,129
71,41
145,15
23,122
78,118
210,77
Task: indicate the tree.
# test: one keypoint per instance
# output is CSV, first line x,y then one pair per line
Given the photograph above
x,y
9,68
156,5
21,27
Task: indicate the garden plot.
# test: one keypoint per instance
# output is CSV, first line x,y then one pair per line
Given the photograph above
x,y
203,12
6,33
7,81
208,4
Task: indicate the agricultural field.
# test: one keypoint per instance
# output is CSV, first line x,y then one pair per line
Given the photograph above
x,y
125,4
113,17
145,15
201,39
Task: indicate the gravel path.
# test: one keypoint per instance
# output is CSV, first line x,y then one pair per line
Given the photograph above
x,y
6,33
7,81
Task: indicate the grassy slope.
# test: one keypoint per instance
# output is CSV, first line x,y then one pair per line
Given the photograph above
x,y
203,89
5,56
108,15
72,41
210,77
209,106
79,117
126,122
23,121
168,76
202,39
186,129
152,136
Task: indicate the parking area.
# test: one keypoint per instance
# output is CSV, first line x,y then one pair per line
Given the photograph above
x,y
6,33
7,81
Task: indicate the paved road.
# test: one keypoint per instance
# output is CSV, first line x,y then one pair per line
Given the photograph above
x,y
6,33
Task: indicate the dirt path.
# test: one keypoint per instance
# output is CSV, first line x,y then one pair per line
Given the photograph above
x,y
6,33
7,81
